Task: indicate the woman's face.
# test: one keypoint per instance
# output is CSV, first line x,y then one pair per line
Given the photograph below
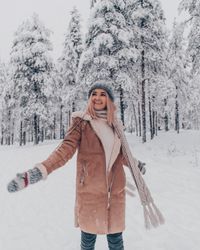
x,y
99,99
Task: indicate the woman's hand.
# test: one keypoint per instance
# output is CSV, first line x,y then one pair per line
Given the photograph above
x,y
141,167
31,176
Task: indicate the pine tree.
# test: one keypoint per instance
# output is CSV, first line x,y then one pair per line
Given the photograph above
x,y
2,84
193,51
149,37
178,74
2,106
31,73
107,52
7,115
193,56
69,61
92,3
59,101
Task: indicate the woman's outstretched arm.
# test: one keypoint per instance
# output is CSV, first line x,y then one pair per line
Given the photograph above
x,y
57,159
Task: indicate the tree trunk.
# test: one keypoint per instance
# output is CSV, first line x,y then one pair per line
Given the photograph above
x,y
24,137
21,134
54,127
139,120
47,137
139,111
143,100
69,118
177,122
73,106
166,119
143,83
153,117
32,131
153,122
135,117
121,96
9,128
150,119
38,128
35,128
42,134
12,134
2,134
177,126
61,122
8,139
156,122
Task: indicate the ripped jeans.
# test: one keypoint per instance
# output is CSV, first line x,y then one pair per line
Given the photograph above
x,y
115,241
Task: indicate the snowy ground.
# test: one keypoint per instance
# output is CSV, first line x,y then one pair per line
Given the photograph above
x,y
41,217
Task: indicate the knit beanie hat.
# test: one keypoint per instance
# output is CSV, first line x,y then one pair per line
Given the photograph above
x,y
102,85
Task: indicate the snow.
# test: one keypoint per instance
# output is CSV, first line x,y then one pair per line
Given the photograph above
x,y
41,216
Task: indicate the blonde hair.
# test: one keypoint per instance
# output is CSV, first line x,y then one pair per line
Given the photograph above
x,y
110,107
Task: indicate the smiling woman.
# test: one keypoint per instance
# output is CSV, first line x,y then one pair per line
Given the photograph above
x,y
100,177
99,99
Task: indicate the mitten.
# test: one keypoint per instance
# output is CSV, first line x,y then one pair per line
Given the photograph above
x,y
141,167
31,176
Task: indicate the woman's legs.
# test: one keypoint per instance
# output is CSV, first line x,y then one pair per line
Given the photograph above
x,y
115,241
87,241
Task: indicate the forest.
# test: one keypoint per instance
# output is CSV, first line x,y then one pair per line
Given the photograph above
x,y
155,71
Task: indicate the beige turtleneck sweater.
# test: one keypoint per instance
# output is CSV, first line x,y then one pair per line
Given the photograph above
x,y
109,140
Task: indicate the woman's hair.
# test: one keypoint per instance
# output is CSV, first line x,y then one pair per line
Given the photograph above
x,y
110,107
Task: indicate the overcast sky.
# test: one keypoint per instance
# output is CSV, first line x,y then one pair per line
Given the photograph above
x,y
55,15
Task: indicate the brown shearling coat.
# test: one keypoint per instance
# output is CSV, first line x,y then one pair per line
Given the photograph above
x,y
100,198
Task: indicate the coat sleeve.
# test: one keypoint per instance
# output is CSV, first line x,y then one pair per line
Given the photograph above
x,y
66,148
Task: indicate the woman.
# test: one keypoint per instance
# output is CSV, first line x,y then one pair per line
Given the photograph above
x,y
100,178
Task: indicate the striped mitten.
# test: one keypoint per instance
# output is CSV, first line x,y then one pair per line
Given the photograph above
x,y
31,176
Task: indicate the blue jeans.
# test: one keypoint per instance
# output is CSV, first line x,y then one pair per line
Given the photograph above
x,y
115,241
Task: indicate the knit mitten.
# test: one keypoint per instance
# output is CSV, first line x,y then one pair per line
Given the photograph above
x,y
31,176
141,167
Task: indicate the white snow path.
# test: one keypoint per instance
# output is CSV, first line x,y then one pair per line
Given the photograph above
x,y
41,216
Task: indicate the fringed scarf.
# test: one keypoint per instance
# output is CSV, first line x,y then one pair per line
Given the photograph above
x,y
152,215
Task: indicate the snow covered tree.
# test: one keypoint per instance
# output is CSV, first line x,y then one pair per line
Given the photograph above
x,y
2,106
178,74
2,84
58,120
149,37
108,53
31,72
193,50
6,106
69,61
192,116
193,56
74,34
92,3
